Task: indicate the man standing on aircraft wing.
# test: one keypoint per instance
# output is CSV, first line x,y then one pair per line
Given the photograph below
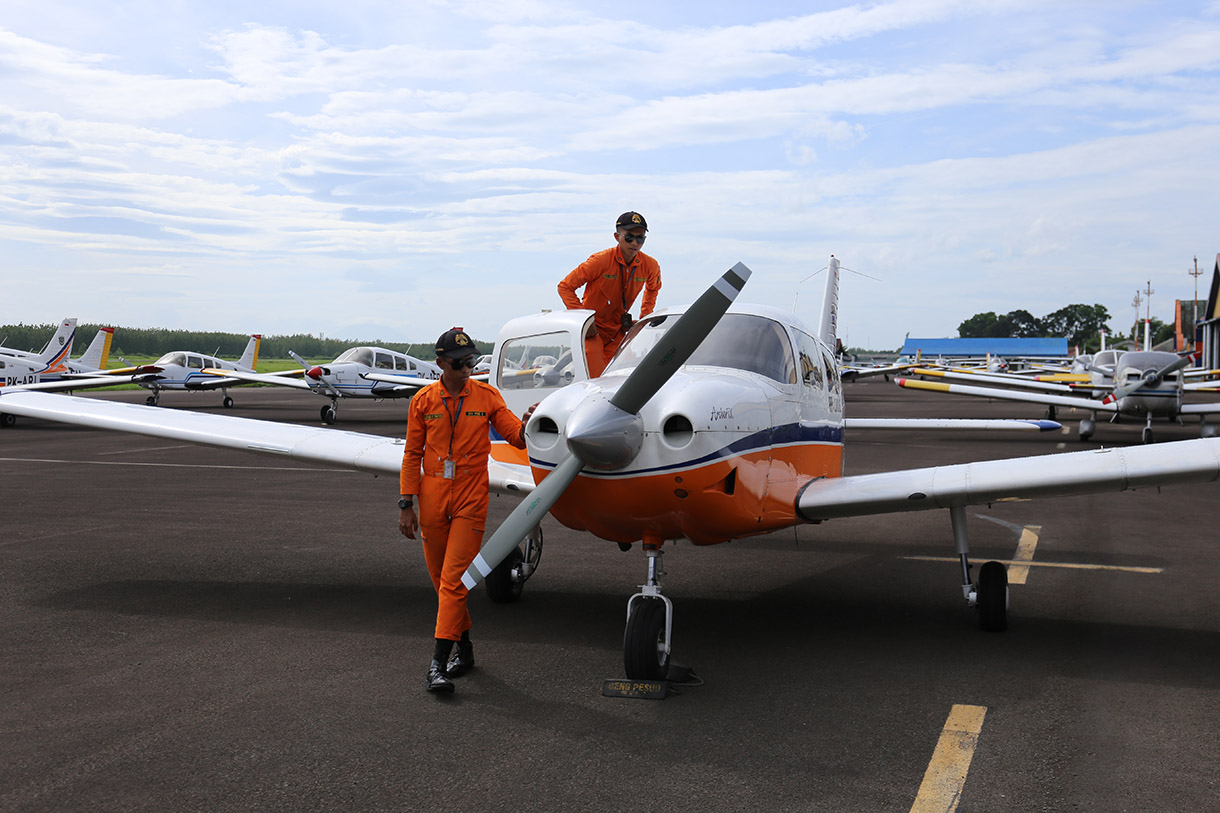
x,y
612,279
445,464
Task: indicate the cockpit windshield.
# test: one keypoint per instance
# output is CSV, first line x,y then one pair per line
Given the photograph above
x,y
360,355
171,358
741,341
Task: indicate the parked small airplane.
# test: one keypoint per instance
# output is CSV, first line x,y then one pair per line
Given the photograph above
x,y
52,361
706,426
359,372
190,371
1145,384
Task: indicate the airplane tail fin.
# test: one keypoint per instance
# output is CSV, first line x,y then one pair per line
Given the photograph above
x,y
249,359
97,355
829,323
59,348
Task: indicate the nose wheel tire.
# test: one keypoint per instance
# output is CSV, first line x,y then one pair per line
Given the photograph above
x,y
993,597
645,654
328,415
504,582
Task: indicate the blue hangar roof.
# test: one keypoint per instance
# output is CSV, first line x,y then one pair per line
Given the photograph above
x,y
981,347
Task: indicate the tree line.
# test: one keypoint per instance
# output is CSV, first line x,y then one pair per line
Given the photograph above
x,y
1080,324
133,341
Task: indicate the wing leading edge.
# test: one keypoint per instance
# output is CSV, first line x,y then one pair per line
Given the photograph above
x,y
308,444
1053,475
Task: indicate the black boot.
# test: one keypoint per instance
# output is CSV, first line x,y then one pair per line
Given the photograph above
x,y
438,679
463,659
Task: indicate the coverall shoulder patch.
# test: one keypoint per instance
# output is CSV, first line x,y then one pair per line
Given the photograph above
x,y
432,416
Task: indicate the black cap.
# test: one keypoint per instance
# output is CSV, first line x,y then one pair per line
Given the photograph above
x,y
455,343
631,220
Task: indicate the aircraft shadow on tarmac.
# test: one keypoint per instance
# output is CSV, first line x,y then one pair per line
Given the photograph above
x,y
819,620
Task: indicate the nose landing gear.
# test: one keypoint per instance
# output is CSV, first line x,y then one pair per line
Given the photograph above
x,y
648,639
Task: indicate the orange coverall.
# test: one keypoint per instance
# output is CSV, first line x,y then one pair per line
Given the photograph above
x,y
453,512
609,284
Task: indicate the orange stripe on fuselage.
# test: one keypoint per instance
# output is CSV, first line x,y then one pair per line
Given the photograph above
x,y
695,504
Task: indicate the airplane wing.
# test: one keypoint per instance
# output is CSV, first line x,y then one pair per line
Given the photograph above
x,y
67,384
1198,409
852,373
1046,399
991,425
309,444
1052,475
984,378
406,384
278,379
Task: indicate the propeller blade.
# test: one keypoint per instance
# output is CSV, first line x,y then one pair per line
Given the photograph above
x,y
676,346
1156,377
657,367
522,520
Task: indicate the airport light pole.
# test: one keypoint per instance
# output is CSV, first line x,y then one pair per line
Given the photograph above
x,y
1148,317
1135,326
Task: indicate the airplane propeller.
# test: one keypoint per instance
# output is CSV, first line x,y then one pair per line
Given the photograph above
x,y
1150,378
607,433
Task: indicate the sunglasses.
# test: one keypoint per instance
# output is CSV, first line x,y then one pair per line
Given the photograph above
x,y
469,362
638,238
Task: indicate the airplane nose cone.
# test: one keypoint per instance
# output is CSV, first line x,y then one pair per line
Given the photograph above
x,y
314,372
604,436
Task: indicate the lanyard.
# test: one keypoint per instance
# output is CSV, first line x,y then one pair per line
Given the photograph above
x,y
453,419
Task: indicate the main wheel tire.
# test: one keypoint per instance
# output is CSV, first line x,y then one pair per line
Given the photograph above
x,y
502,588
151,400
6,419
228,402
644,654
993,597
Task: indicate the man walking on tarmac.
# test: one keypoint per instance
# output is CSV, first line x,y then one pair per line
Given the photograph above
x,y
612,279
445,465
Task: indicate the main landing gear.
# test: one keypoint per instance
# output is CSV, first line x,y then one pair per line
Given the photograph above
x,y
153,399
1088,426
990,594
228,402
506,581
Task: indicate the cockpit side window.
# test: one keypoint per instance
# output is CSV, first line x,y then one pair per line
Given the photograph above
x,y
535,362
194,362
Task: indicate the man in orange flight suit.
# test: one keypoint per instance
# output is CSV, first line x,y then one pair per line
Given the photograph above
x,y
447,433
612,280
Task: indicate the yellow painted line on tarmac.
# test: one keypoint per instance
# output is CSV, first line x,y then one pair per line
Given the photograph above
x,y
1017,573
1066,565
942,784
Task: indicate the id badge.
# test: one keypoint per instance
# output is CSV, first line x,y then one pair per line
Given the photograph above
x,y
449,469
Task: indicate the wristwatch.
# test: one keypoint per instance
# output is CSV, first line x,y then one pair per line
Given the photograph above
x,y
404,503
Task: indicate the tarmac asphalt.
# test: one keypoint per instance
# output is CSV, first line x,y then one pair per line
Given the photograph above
x,y
183,628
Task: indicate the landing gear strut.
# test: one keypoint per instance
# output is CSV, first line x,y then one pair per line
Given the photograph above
x,y
647,641
990,595
506,581
1146,435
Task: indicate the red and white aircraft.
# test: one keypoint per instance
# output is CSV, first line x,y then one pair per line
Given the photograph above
x,y
708,426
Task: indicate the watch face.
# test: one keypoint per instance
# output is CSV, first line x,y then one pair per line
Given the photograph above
x,y
404,503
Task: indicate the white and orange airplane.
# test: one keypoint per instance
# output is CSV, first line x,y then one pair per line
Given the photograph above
x,y
712,423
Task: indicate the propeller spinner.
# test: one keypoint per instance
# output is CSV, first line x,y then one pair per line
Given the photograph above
x,y
607,434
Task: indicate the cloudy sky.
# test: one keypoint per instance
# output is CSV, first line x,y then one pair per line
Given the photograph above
x,y
385,170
